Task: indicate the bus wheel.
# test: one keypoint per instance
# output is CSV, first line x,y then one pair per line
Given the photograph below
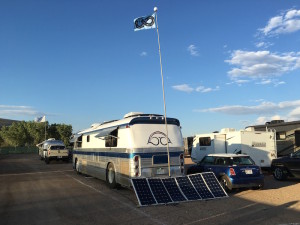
x,y
111,176
77,166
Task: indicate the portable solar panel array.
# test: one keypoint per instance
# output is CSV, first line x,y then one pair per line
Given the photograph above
x,y
200,186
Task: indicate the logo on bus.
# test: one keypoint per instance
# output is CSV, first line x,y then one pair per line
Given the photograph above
x,y
157,138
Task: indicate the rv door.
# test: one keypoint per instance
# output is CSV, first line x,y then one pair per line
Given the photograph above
x,y
220,143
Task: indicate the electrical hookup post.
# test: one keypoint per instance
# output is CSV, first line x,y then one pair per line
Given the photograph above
x,y
150,22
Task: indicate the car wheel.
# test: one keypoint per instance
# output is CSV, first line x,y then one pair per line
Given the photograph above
x,y
279,173
111,176
226,183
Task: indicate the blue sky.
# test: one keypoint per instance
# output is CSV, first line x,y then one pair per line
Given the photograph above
x,y
226,63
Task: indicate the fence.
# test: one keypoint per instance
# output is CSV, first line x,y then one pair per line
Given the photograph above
x,y
18,150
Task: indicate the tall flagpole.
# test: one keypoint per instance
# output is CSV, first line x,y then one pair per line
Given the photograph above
x,y
162,79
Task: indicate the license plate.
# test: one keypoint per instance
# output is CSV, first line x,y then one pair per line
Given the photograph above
x,y
160,171
59,157
248,172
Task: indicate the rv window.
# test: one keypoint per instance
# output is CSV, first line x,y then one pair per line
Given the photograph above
x,y
88,138
112,139
78,142
204,141
280,135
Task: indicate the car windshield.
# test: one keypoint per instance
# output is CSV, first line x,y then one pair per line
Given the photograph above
x,y
57,147
242,161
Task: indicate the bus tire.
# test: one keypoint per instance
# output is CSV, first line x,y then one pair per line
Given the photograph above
x,y
77,166
111,176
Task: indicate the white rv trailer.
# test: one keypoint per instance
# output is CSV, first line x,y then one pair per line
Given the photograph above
x,y
53,149
259,145
135,146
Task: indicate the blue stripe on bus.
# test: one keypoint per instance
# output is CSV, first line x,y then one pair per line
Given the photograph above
x,y
126,155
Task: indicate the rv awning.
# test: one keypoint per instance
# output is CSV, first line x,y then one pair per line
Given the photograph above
x,y
75,137
105,132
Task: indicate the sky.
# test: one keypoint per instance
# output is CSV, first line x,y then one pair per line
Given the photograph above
x,y
226,64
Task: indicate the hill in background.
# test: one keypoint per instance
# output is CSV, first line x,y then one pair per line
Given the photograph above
x,y
6,122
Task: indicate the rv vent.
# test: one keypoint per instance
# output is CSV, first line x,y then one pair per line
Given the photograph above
x,y
226,130
95,125
51,139
274,122
131,114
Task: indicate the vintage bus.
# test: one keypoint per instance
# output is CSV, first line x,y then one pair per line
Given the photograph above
x,y
132,147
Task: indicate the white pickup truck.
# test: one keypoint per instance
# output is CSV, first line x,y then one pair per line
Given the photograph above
x,y
53,149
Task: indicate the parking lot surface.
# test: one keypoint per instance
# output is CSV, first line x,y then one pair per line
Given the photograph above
x,y
32,192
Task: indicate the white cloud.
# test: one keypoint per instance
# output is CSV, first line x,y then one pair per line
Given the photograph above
x,y
294,114
277,83
11,110
143,54
203,89
263,81
263,44
273,82
264,108
183,87
261,64
188,89
263,119
192,49
238,82
287,22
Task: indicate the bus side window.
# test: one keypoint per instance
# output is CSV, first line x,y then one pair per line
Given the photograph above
x,y
112,139
78,142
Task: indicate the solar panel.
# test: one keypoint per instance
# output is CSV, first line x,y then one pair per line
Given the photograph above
x,y
143,192
214,185
153,191
159,191
173,190
187,188
200,186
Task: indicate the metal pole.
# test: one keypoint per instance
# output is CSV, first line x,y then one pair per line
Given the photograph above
x,y
162,79
45,130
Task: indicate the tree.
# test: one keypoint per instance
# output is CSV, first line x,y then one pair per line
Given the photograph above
x,y
16,134
65,132
60,132
31,133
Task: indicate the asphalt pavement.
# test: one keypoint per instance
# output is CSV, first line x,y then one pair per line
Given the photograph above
x,y
32,192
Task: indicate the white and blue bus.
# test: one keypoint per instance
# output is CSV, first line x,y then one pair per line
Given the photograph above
x,y
133,147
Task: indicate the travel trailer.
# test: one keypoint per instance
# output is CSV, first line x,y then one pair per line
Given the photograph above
x,y
53,149
287,135
132,147
259,145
